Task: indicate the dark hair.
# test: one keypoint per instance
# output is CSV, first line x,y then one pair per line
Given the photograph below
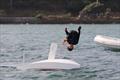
x,y
69,49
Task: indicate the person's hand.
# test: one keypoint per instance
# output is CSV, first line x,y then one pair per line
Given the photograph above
x,y
79,28
65,29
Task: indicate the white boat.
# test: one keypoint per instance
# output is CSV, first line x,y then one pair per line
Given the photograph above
x,y
106,41
51,63
55,64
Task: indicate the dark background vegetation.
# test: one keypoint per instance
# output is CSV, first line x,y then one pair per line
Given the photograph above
x,y
72,6
33,8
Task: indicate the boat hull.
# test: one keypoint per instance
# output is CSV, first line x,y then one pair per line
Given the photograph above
x,y
53,64
109,42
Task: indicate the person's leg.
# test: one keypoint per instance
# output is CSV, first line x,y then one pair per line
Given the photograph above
x,y
65,40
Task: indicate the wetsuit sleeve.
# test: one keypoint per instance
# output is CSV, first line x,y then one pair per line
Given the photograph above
x,y
66,31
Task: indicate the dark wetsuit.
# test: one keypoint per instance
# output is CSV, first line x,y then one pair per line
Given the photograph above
x,y
73,36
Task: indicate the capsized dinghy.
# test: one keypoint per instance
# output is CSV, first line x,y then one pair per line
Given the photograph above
x,y
51,63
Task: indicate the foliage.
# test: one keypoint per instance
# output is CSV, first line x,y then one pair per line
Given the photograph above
x,y
72,6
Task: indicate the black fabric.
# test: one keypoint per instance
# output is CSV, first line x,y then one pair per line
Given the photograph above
x,y
73,37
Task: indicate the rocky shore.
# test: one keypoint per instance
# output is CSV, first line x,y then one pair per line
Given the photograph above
x,y
59,20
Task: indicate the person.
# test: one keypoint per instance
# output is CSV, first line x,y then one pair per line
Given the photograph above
x,y
72,38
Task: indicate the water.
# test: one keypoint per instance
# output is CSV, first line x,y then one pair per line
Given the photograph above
x,y
97,63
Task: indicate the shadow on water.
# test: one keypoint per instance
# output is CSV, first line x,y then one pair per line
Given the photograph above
x,y
112,49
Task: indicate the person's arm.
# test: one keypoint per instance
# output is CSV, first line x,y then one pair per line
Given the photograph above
x,y
66,31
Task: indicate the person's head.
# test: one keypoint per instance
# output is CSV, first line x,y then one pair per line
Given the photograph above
x,y
70,47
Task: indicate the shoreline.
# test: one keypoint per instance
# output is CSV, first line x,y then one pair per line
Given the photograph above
x,y
55,20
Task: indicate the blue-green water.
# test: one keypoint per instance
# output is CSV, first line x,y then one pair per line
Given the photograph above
x,y
97,63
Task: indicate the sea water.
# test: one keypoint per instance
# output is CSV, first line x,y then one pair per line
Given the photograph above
x,y
97,62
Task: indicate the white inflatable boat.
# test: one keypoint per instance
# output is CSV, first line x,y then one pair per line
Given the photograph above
x,y
109,42
51,63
